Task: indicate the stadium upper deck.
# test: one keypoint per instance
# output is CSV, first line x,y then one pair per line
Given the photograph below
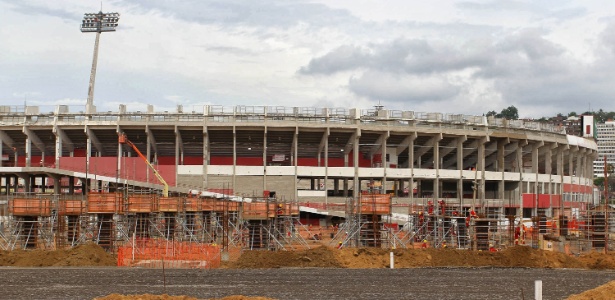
x,y
306,154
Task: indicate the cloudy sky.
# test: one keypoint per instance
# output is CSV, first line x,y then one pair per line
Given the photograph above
x,y
544,57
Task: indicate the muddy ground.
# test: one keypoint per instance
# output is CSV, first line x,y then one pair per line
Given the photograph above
x,y
87,272
298,283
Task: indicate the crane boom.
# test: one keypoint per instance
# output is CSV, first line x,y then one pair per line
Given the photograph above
x,y
124,140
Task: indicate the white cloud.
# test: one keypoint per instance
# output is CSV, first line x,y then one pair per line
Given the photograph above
x,y
474,56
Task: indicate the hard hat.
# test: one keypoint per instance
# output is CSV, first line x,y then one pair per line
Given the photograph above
x,y
340,243
424,241
490,245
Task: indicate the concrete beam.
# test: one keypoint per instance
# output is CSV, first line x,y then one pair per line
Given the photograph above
x,y
406,143
66,142
34,138
6,139
378,144
93,139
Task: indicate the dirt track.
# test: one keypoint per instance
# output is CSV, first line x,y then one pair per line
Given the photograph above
x,y
291,283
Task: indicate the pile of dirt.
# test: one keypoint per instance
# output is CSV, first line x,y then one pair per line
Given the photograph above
x,y
597,260
82,255
603,292
167,297
363,258
321,257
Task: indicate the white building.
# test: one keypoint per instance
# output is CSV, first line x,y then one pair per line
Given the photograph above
x,y
605,134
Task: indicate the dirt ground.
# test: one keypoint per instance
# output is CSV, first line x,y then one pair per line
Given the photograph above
x,y
362,258
89,255
55,283
328,258
167,297
603,292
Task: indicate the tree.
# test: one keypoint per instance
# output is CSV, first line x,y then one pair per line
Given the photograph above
x,y
510,113
572,114
491,113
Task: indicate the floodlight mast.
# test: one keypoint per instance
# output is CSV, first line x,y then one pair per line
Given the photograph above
x,y
97,22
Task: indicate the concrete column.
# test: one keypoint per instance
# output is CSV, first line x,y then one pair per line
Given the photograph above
x,y
460,168
234,157
265,160
71,185
500,168
436,165
58,150
28,152
357,185
206,156
148,152
295,159
336,186
481,167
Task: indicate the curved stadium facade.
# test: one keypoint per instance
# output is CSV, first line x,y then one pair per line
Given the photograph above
x,y
313,155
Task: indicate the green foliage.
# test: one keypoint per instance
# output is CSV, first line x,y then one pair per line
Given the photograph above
x,y
510,113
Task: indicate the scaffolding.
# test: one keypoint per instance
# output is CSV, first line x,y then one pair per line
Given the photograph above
x,y
368,223
271,224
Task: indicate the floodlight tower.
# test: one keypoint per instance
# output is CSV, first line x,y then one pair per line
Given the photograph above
x,y
97,22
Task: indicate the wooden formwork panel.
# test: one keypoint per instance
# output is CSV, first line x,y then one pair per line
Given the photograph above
x,y
101,203
145,203
169,204
30,207
258,211
71,207
378,209
287,209
220,205
376,198
192,204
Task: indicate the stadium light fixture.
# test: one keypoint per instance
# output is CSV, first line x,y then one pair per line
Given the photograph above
x,y
97,22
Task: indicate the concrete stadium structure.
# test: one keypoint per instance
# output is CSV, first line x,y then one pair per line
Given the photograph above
x,y
303,154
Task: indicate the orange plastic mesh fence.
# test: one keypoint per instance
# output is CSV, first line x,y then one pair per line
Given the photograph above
x,y
154,253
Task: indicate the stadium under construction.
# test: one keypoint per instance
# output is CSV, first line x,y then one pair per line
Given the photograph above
x,y
262,177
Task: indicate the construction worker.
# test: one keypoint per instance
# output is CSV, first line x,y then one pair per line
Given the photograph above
x,y
492,248
444,244
340,245
280,209
424,245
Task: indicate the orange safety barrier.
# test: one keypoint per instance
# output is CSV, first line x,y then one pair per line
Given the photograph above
x,y
71,207
156,253
169,204
105,203
30,207
145,203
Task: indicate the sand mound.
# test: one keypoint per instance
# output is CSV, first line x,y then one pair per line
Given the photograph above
x,y
82,255
167,297
603,292
362,258
321,257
